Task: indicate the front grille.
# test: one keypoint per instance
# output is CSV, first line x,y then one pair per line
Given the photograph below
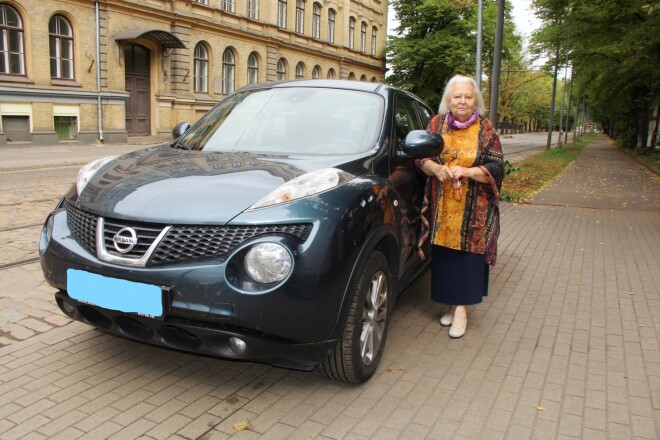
x,y
183,243
146,234
83,226
180,244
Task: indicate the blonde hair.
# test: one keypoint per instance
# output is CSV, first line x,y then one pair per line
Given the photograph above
x,y
446,95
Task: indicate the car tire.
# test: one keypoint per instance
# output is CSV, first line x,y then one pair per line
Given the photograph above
x,y
356,356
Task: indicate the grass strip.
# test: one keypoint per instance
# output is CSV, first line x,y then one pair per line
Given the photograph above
x,y
527,177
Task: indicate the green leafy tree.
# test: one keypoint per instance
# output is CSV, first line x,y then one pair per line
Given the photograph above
x,y
437,39
614,46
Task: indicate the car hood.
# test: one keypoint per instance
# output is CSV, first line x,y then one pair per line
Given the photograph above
x,y
161,184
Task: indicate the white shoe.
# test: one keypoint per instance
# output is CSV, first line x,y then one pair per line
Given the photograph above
x,y
446,320
455,332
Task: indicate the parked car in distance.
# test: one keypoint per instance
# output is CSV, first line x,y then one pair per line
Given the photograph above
x,y
279,228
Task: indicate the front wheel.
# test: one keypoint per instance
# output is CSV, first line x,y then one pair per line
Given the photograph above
x,y
356,356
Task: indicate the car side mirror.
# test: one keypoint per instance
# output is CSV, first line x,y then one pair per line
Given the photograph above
x,y
421,143
180,129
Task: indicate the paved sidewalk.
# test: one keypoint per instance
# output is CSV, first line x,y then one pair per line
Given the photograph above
x,y
566,346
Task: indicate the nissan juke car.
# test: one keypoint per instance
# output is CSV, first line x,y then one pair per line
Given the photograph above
x,y
279,228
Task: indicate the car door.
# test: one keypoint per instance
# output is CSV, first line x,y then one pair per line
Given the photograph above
x,y
406,180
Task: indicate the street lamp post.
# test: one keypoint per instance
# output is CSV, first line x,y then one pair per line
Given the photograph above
x,y
480,14
497,61
552,101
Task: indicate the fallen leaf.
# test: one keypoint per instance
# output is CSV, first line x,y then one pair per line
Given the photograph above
x,y
641,325
242,426
389,370
400,369
631,293
542,409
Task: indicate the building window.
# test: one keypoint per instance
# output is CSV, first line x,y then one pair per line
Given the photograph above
x,y
12,55
331,25
351,33
374,37
281,70
351,76
253,69
228,66
363,37
373,79
253,9
363,78
201,68
281,14
300,16
229,6
300,70
65,127
61,48
316,72
331,74
202,2
316,21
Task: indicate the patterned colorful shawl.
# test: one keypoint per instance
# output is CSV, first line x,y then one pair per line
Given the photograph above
x,y
481,221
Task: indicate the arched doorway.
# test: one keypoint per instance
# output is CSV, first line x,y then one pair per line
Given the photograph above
x,y
138,107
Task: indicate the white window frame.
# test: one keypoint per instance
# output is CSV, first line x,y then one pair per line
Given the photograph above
x,y
300,70
6,34
229,6
300,16
253,9
228,71
351,33
281,69
316,21
374,40
59,40
363,37
253,69
201,69
281,14
332,17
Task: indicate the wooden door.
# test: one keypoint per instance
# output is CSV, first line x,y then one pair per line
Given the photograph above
x,y
138,106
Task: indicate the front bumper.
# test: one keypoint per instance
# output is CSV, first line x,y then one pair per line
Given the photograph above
x,y
199,337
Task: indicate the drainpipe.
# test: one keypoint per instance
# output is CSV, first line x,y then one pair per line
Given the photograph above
x,y
98,69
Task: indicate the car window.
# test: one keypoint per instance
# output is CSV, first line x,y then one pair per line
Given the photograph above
x,y
301,120
405,119
424,114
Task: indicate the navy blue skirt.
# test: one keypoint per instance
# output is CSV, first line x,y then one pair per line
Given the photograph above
x,y
457,277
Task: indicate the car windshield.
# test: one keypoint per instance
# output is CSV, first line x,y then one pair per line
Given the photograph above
x,y
290,120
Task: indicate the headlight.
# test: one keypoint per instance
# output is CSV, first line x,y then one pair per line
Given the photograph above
x,y
86,172
305,185
268,263
46,234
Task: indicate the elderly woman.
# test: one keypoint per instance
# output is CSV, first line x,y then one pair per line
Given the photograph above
x,y
460,212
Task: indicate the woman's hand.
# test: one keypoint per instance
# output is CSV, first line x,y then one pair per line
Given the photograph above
x,y
441,172
474,173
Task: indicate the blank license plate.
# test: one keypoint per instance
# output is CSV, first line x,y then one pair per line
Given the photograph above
x,y
115,294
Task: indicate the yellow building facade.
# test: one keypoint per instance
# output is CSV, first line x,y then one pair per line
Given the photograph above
x,y
121,70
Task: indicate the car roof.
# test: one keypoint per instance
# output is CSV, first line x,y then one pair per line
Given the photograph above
x,y
322,83
343,84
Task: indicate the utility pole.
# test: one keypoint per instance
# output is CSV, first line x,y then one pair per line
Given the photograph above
x,y
477,70
568,112
497,61
552,101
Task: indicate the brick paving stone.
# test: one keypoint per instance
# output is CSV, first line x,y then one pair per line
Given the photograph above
x,y
559,330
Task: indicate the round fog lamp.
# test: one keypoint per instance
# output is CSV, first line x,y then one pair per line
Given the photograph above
x,y
237,345
268,263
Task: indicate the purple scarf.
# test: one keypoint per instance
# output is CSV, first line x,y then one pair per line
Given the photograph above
x,y
457,125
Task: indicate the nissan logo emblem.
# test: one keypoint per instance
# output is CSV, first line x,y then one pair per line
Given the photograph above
x,y
125,240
